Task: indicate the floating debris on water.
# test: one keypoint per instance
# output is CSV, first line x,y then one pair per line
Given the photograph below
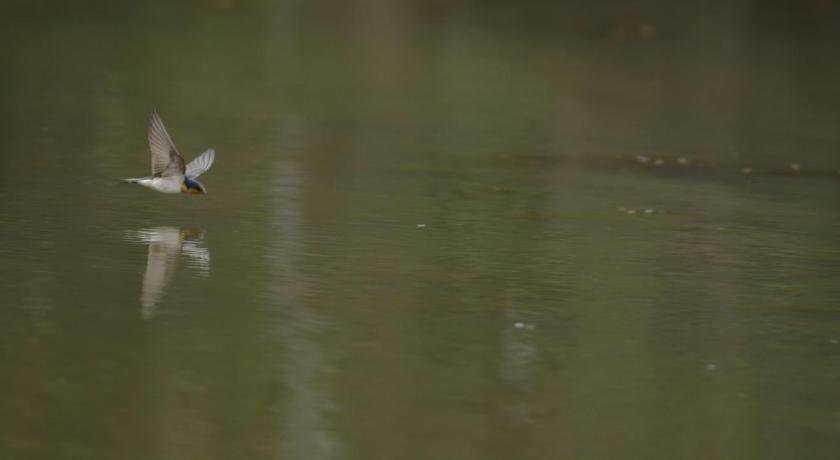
x,y
696,163
638,210
421,225
521,325
711,367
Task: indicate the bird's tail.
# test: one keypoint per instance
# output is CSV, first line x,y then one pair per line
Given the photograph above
x,y
130,181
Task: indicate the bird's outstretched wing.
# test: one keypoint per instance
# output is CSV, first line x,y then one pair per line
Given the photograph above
x,y
166,161
200,164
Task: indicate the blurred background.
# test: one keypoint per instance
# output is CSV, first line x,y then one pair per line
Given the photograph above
x,y
434,229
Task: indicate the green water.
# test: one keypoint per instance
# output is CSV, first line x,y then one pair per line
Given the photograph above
x,y
434,230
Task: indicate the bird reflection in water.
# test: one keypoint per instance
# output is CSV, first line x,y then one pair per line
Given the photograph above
x,y
166,245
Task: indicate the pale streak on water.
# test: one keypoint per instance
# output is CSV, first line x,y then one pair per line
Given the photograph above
x,y
304,432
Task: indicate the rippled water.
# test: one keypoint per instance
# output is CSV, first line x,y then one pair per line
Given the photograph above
x,y
432,231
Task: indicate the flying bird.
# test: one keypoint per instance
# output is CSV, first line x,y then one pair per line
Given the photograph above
x,y
169,174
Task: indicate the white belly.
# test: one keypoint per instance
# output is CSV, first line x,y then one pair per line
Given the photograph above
x,y
163,184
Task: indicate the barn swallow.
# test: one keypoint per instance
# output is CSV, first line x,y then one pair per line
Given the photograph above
x,y
169,175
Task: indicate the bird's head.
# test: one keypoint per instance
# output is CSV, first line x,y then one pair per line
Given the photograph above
x,y
192,186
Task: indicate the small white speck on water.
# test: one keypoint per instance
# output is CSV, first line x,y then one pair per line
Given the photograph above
x,y
682,161
659,162
711,367
421,225
648,211
631,211
834,341
519,325
642,159
747,170
795,166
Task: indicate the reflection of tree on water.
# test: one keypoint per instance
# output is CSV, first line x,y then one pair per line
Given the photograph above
x,y
166,244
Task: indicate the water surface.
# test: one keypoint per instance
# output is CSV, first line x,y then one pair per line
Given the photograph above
x,y
461,230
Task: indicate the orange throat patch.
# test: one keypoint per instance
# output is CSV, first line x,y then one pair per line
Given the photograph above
x,y
185,189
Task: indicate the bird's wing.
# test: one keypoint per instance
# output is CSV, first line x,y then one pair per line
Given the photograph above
x,y
166,161
200,164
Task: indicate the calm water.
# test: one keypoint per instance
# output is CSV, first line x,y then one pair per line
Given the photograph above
x,y
434,230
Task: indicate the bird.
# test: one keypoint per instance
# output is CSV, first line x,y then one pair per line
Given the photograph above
x,y
169,174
